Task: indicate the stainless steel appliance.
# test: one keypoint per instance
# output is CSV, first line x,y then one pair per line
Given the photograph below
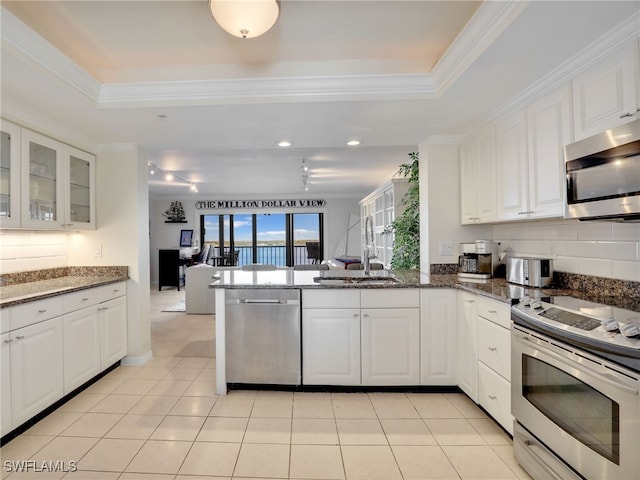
x,y
603,175
263,340
479,260
575,389
532,272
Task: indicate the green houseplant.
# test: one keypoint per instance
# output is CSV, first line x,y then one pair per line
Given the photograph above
x,y
406,227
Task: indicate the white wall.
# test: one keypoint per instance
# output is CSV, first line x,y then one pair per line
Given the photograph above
x,y
166,235
440,205
122,200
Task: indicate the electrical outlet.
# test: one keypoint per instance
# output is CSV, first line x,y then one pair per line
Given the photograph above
x,y
98,252
446,248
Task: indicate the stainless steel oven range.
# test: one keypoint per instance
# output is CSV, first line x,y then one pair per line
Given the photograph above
x,y
575,389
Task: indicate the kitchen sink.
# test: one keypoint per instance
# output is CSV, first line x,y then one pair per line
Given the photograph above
x,y
375,280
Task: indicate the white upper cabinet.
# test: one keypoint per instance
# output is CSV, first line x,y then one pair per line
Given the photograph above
x,y
44,184
549,127
530,158
9,175
42,181
80,211
477,177
511,158
606,95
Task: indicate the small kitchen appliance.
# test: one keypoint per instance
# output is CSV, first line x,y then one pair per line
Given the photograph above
x,y
575,389
531,272
603,175
479,260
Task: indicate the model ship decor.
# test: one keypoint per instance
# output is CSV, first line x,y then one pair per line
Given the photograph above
x,y
175,213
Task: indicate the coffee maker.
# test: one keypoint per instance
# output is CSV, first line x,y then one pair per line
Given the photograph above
x,y
479,260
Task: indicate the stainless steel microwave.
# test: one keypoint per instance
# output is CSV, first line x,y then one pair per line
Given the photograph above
x,y
603,175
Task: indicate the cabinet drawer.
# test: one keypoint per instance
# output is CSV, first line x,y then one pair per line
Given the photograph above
x,y
390,298
77,300
494,394
34,312
113,290
5,320
494,347
332,298
497,312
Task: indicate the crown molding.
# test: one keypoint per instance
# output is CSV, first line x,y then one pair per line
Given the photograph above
x,y
591,55
489,21
268,90
486,24
24,42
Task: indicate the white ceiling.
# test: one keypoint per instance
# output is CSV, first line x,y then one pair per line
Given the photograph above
x,y
390,73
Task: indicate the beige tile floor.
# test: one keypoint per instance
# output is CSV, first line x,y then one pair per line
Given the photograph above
x,y
163,421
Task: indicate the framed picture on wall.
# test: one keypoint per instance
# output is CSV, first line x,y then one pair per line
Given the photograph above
x,y
186,236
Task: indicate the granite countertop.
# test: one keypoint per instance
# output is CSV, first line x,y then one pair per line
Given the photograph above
x,y
497,289
72,280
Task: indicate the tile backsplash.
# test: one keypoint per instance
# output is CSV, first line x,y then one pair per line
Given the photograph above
x,y
602,249
24,251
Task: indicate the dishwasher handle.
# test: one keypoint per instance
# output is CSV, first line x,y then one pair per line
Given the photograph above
x,y
267,301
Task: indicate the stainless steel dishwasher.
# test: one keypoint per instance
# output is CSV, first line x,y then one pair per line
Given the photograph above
x,y
263,336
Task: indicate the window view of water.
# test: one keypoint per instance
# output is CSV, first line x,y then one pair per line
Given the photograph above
x,y
274,235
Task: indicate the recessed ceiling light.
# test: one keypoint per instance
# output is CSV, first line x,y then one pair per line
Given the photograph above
x,y
285,143
353,143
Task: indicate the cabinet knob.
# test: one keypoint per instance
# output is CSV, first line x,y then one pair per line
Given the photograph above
x,y
492,397
493,349
356,315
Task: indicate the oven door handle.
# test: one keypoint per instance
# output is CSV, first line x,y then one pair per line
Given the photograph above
x,y
606,377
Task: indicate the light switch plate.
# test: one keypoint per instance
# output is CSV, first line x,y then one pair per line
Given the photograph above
x,y
446,248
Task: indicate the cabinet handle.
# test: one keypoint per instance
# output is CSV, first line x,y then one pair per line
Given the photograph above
x,y
493,397
493,349
474,218
42,311
19,337
470,301
356,315
8,341
366,315
525,213
116,290
493,311
84,299
624,115
103,308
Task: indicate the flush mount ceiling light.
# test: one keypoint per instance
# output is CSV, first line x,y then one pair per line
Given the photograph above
x,y
245,18
284,143
353,143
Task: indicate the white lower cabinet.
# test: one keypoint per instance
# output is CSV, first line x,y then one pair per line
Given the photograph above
x,y
390,346
468,344
51,347
494,394
438,336
81,347
331,346
344,344
112,318
36,368
6,422
494,365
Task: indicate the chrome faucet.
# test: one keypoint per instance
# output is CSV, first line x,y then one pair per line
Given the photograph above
x,y
369,244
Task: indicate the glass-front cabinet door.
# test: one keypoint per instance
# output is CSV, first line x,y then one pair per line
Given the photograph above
x,y
80,190
9,175
42,181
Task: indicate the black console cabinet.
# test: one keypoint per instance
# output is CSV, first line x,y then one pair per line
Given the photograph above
x,y
170,266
